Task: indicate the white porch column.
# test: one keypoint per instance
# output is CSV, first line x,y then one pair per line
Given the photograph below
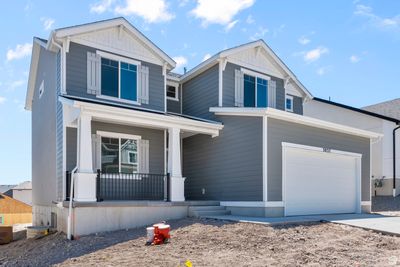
x,y
177,187
85,178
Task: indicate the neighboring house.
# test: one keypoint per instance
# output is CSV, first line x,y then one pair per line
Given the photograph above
x,y
13,211
22,192
389,108
368,118
5,188
143,143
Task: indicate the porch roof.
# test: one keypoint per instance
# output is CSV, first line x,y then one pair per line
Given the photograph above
x,y
114,112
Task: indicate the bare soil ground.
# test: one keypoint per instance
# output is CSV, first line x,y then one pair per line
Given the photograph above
x,y
213,243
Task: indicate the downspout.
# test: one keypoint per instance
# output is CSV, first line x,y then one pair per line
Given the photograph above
x,y
394,158
69,223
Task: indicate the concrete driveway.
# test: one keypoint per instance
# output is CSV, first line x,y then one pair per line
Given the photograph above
x,y
375,222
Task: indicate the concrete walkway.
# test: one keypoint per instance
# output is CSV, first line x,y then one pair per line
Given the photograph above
x,y
375,222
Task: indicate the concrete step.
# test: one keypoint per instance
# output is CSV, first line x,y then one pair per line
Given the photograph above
x,y
206,213
199,208
202,203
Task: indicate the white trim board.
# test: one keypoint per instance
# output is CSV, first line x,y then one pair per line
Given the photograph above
x,y
255,204
294,118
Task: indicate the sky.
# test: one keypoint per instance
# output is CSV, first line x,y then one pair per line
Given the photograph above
x,y
345,50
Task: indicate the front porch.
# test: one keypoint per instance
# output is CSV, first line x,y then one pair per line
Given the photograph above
x,y
121,154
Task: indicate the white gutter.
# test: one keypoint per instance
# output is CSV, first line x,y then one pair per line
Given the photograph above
x,y
69,223
294,118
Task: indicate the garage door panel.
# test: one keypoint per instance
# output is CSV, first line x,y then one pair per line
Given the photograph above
x,y
318,182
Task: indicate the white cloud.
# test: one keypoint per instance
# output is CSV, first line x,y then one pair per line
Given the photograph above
x,y
354,59
20,51
250,19
101,7
181,61
231,25
47,23
206,56
375,20
219,12
183,3
315,54
304,40
152,11
259,34
2,99
322,71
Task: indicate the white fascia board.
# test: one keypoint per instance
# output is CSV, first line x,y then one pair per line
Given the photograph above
x,y
80,29
200,68
295,118
32,74
160,121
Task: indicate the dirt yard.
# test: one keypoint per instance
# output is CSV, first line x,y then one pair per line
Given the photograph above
x,y
213,243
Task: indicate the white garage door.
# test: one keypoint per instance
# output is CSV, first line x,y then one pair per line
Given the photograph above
x,y
317,182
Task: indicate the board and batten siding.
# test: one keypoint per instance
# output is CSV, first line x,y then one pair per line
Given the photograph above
x,y
228,167
200,93
71,148
174,105
44,152
155,137
76,77
281,131
228,91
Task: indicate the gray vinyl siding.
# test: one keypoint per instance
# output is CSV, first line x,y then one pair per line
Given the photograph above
x,y
175,106
228,91
71,147
200,93
155,137
228,167
282,131
76,77
44,182
59,131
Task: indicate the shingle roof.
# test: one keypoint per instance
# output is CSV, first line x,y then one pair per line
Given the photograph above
x,y
389,108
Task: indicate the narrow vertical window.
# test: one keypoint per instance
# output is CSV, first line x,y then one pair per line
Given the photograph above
x,y
128,81
262,93
289,103
249,89
109,77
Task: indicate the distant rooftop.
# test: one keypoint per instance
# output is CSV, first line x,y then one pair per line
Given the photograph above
x,y
6,187
389,108
27,185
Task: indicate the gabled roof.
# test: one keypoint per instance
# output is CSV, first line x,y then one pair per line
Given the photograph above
x,y
389,108
109,23
366,112
225,53
6,187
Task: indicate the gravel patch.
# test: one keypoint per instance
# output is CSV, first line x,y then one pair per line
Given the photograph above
x,y
213,243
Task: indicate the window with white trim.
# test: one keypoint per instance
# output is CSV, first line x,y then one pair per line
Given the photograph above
x,y
119,77
255,91
41,89
172,91
289,103
119,154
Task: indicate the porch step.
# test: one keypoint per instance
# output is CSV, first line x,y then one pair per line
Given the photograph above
x,y
204,211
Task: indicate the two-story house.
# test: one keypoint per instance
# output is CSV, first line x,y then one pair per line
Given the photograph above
x,y
136,143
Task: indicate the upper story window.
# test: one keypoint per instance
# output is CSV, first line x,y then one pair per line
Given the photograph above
x,y
255,91
118,78
289,103
172,91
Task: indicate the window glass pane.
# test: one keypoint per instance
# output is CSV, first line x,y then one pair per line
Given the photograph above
x,y
109,77
128,81
249,91
262,95
288,104
129,157
109,155
171,91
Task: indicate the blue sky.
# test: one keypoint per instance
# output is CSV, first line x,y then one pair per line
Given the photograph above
x,y
346,50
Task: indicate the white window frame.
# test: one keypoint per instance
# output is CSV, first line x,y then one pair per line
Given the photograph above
x,y
255,75
41,89
176,86
291,99
120,136
114,57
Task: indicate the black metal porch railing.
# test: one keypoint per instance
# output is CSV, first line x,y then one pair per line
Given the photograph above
x,y
132,186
